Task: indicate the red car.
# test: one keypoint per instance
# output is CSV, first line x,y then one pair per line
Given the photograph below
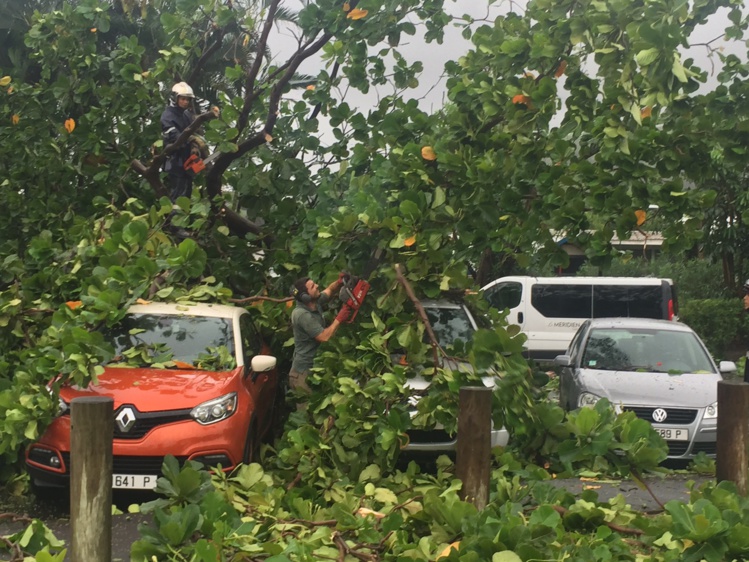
x,y
208,392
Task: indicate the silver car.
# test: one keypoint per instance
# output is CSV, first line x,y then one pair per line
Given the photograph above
x,y
451,322
658,369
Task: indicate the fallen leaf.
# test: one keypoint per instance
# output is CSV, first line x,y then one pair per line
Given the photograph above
x,y
560,69
5,80
10,90
364,511
69,125
14,119
72,305
427,153
357,14
453,545
142,301
645,112
346,6
246,40
410,241
310,87
93,30
590,487
641,216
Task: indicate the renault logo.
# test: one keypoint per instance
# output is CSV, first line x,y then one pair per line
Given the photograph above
x,y
126,419
659,415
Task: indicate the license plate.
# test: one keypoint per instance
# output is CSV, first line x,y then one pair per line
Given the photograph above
x,y
134,481
674,434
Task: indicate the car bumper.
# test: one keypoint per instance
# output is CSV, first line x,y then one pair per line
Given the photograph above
x,y
48,460
702,439
438,441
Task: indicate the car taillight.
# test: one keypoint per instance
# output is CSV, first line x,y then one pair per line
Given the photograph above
x,y
670,309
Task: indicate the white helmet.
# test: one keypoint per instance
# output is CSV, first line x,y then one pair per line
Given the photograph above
x,y
181,89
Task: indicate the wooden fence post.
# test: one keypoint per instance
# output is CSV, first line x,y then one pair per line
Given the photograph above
x,y
473,462
732,450
91,431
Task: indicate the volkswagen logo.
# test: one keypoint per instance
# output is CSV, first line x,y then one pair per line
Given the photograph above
x,y
659,415
125,420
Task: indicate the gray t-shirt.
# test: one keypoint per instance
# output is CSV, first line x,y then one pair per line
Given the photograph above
x,y
307,325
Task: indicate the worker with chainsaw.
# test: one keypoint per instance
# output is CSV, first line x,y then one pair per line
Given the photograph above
x,y
176,118
309,327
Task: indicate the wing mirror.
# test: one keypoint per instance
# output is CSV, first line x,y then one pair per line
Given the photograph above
x,y
563,360
262,364
727,367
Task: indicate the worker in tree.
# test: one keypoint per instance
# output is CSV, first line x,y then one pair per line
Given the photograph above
x,y
309,326
176,118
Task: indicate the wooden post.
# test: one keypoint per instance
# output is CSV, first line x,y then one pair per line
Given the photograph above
x,y
733,434
91,431
473,462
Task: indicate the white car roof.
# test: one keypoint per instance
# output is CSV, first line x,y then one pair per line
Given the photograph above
x,y
188,309
645,323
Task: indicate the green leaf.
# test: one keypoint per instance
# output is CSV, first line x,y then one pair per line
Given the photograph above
x,y
647,56
506,556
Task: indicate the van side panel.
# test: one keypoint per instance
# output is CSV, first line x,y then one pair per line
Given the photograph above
x,y
556,312
641,301
549,310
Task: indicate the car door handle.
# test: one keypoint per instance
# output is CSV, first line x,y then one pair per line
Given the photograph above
x,y
520,317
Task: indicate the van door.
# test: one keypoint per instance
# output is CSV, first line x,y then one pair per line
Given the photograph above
x,y
508,294
555,313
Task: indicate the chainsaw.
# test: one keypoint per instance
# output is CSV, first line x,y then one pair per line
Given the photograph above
x,y
354,289
195,164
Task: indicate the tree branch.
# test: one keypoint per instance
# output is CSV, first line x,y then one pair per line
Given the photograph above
x,y
208,53
255,69
420,309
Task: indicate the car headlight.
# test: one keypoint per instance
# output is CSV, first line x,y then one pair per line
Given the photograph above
x,y
587,399
215,410
711,412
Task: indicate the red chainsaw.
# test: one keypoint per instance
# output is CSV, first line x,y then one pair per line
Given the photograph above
x,y
195,164
354,289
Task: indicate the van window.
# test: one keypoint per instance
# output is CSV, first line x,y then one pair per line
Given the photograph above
x,y
562,301
505,295
643,301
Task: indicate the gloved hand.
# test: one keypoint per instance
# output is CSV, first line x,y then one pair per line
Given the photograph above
x,y
344,276
344,314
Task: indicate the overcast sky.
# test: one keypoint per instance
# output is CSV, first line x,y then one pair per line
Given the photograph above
x,y
431,90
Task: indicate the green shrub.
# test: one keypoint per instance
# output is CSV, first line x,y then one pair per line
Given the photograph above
x,y
719,322
694,279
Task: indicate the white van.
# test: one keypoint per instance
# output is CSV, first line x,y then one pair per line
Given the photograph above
x,y
549,310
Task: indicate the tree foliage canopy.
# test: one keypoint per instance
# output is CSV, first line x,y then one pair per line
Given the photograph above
x,y
568,117
582,118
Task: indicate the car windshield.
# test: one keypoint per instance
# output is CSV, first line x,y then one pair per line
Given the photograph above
x,y
652,350
449,325
185,337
